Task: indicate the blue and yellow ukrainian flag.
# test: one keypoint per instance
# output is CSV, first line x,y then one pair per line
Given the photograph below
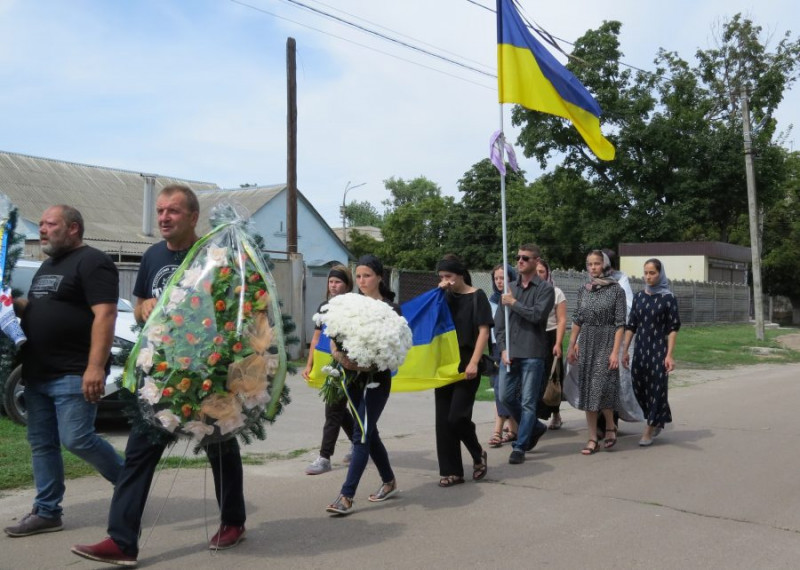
x,y
433,359
5,232
527,74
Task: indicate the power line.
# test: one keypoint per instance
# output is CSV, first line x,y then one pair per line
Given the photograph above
x,y
348,40
402,34
375,33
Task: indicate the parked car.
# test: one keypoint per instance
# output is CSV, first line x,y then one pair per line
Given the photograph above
x,y
13,396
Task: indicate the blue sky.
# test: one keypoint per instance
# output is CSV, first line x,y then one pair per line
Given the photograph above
x,y
196,89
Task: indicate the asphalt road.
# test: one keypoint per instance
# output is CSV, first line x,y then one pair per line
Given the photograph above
x,y
718,489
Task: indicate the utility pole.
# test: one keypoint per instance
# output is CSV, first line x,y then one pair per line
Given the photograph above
x,y
291,144
752,208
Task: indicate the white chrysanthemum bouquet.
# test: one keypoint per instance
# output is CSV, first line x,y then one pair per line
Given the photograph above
x,y
369,331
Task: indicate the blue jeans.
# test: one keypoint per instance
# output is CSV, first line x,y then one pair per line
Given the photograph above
x,y
369,404
519,392
59,414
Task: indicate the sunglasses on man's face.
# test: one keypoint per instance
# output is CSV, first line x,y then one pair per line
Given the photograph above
x,y
525,258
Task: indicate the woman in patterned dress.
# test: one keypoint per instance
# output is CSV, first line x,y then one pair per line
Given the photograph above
x,y
655,321
594,344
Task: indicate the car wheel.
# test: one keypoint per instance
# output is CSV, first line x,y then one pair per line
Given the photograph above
x,y
14,397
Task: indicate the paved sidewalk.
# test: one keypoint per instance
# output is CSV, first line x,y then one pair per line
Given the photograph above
x,y
718,489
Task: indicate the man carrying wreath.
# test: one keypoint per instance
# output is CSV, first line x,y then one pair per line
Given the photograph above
x,y
178,210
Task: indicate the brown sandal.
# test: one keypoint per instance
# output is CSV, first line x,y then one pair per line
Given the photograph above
x,y
479,469
496,440
608,442
450,480
590,450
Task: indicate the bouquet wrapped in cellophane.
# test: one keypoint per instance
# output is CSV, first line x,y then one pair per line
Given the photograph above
x,y
210,360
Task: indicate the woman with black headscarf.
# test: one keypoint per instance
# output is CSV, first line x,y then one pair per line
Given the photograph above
x,y
655,321
473,319
595,341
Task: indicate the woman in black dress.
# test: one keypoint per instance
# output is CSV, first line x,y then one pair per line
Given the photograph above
x,y
655,321
472,317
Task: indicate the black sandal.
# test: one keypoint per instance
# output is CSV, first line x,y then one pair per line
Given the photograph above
x,y
608,442
479,469
450,480
590,450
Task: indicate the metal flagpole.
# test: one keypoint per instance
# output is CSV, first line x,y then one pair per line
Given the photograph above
x,y
503,225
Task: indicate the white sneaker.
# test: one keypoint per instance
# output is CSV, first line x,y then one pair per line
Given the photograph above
x,y
348,456
319,466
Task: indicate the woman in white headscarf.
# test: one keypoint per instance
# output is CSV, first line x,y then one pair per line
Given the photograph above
x,y
655,321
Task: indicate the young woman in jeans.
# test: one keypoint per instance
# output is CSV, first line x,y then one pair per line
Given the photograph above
x,y
369,404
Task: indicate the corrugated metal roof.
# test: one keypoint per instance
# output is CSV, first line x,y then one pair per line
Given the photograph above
x,y
110,199
252,199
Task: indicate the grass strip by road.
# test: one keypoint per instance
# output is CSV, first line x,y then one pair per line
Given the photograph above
x,y
710,347
15,458
16,470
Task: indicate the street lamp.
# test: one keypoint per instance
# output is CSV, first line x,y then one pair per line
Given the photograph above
x,y
347,189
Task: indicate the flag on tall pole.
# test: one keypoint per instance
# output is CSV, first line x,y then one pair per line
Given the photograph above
x,y
529,75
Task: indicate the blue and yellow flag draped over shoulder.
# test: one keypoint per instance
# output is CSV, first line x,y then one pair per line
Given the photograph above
x,y
529,75
433,359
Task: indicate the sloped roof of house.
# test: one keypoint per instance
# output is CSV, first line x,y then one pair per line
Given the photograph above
x,y
110,199
371,231
252,199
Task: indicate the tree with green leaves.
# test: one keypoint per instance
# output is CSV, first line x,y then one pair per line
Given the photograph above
x,y
362,214
781,262
416,225
679,171
476,229
404,193
360,244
